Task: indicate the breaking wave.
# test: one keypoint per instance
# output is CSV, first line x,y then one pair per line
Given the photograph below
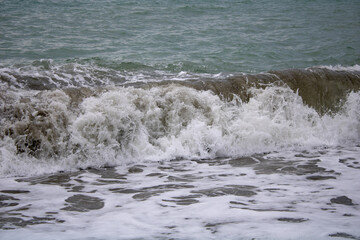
x,y
47,126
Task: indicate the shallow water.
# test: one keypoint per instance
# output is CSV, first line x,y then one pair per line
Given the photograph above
x,y
295,194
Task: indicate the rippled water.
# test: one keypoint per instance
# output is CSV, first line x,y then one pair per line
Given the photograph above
x,y
201,36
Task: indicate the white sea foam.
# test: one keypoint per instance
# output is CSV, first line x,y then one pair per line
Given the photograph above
x,y
46,74
278,199
123,125
172,122
353,68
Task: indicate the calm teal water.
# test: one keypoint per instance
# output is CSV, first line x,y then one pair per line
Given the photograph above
x,y
194,36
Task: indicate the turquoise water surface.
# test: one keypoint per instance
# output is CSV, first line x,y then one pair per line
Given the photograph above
x,y
194,36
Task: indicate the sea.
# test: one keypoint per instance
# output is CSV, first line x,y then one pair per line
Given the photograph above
x,y
181,120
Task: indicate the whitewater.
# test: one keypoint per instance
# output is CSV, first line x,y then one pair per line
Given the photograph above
x,y
179,120
190,159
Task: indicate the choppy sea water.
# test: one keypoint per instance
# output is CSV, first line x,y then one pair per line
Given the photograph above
x,y
179,120
202,36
